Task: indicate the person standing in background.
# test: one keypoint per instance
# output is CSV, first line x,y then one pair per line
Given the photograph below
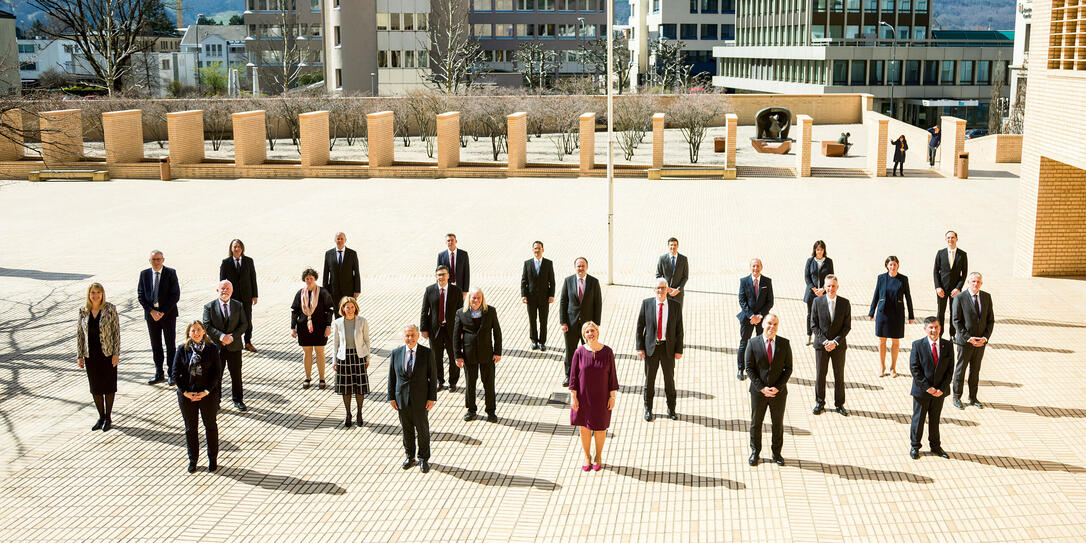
x,y
98,347
158,291
241,272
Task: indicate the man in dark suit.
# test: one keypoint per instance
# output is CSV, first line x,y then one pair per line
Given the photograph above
x,y
158,292
755,301
974,319
537,291
341,275
930,361
673,267
769,365
831,321
225,322
582,301
412,392
659,341
440,303
241,272
951,266
457,262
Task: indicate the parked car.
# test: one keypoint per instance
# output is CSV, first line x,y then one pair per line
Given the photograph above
x,y
976,133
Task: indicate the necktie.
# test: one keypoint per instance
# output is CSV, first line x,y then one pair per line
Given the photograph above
x,y
976,303
340,257
452,267
225,311
755,288
441,306
950,257
580,290
237,263
672,263
660,323
154,288
935,354
769,350
410,362
537,267
833,305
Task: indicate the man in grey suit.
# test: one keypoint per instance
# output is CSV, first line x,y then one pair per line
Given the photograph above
x,y
973,319
412,392
769,365
660,342
831,321
224,320
673,267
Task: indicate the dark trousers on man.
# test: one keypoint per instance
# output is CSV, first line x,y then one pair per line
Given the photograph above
x,y
758,405
163,329
659,358
416,425
823,361
931,155
538,309
247,305
745,331
486,370
942,304
441,344
573,339
969,357
232,361
927,408
206,409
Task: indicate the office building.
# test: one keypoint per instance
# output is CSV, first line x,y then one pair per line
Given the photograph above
x,y
700,24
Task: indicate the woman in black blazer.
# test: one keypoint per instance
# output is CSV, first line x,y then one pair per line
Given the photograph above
x,y
197,371
477,339
900,146
816,269
311,317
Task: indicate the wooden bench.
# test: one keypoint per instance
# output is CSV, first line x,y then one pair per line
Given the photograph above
x,y
660,173
72,175
780,148
833,149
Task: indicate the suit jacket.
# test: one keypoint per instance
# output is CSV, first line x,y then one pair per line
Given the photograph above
x,y
762,374
967,323
590,308
833,328
109,333
677,278
430,321
646,327
537,286
949,278
342,280
925,373
169,291
243,279
814,276
462,275
412,391
211,367
217,325
754,304
476,344
361,338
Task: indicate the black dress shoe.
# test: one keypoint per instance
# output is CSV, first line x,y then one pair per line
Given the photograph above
x,y
535,346
170,382
778,459
192,467
648,416
240,406
358,419
408,464
565,382
818,409
914,453
842,411
469,416
212,466
940,453
753,460
492,418
452,388
424,466
98,425
741,376
958,404
542,347
107,424
672,415
976,404
156,380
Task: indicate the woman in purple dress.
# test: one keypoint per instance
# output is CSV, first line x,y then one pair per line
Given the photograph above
x,y
593,383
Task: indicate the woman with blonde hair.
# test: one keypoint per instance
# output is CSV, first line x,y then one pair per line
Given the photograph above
x,y
477,342
197,371
351,345
593,383
98,344
311,322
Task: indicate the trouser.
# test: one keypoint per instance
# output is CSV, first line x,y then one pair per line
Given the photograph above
x,y
758,404
899,167
232,361
660,358
931,155
810,305
745,330
968,357
942,304
247,305
573,339
823,360
162,329
416,425
441,344
486,369
678,297
538,309
206,409
929,407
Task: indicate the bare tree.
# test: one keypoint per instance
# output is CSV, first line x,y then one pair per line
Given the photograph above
x,y
671,64
595,52
455,56
534,63
693,113
1016,120
997,102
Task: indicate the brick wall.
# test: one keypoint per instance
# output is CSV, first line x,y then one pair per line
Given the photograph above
x,y
122,132
313,136
448,140
62,136
658,139
804,124
517,131
381,138
1008,148
878,142
951,145
731,125
11,137
588,141
249,133
185,130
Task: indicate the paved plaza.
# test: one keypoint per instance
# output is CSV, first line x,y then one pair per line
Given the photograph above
x,y
289,471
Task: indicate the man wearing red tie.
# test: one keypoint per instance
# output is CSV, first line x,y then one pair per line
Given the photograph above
x,y
456,260
769,365
932,364
660,342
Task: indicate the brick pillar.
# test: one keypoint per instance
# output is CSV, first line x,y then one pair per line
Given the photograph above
x,y
953,143
658,139
448,140
122,132
878,142
517,139
1051,234
313,138
803,154
588,142
249,134
11,137
186,134
381,137
62,136
731,122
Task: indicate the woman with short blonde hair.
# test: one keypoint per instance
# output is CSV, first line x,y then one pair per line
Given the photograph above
x,y
351,348
98,342
593,384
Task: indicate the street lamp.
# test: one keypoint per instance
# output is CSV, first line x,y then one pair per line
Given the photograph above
x,y
583,68
893,60
198,17
256,78
373,83
610,147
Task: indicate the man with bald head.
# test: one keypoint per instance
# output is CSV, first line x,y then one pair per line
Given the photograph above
x,y
412,392
755,301
659,342
341,275
225,322
158,291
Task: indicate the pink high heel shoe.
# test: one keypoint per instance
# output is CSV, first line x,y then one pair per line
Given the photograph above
x,y
597,467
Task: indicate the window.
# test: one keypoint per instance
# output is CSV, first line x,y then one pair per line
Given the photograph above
x,y
727,6
903,32
818,32
567,5
840,72
858,74
382,21
382,58
709,6
480,31
667,31
545,31
29,66
503,5
920,32
525,5
314,5
394,59
422,58
567,31
393,21
693,6
912,72
408,21
339,78
165,64
708,32
875,72
656,6
871,6
904,5
422,21
820,6
503,30
931,72
984,72
589,31
869,32
894,75
26,47
946,73
852,32
853,6
544,5
408,59
836,31
921,6
966,73
837,6
727,32
688,31
887,6
481,5
525,31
